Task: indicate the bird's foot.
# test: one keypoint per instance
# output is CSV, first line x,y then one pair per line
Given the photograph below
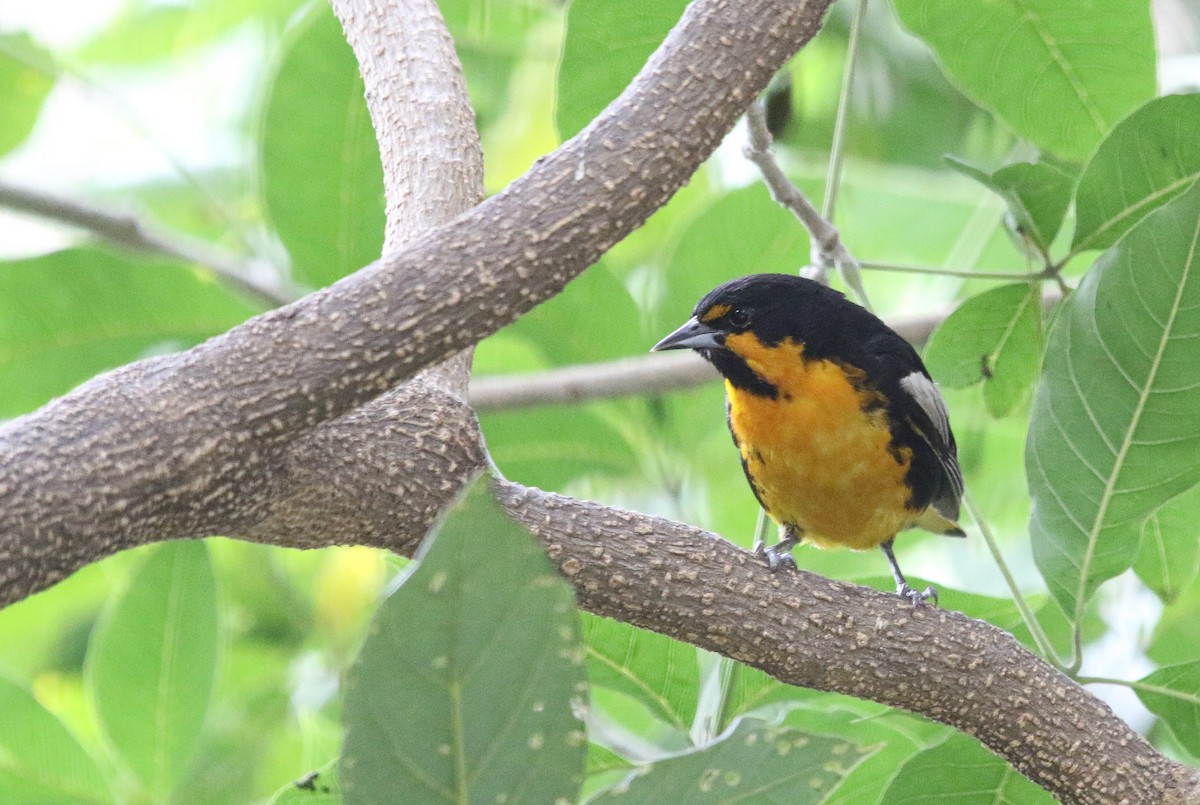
x,y
777,556
929,594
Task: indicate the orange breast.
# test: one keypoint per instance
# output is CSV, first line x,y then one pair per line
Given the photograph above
x,y
821,462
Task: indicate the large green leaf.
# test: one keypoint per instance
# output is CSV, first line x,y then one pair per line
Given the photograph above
x,y
1037,195
654,669
69,315
961,771
755,762
1090,61
40,761
895,736
322,177
607,42
26,78
1173,694
743,232
152,664
994,338
1170,555
470,684
1149,158
1115,431
550,446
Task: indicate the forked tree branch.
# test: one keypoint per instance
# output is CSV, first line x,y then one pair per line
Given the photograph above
x,y
292,430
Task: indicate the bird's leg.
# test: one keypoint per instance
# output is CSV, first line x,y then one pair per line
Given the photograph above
x,y
780,554
928,594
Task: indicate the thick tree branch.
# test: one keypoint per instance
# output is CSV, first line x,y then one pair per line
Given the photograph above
x,y
192,444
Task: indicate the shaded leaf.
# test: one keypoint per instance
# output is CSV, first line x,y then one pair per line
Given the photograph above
x,y
152,664
994,338
753,762
962,771
607,42
1173,694
40,761
1170,555
660,672
1149,158
1037,195
1115,431
69,315
548,447
470,682
1091,62
322,177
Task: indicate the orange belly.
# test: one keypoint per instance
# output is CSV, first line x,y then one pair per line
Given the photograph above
x,y
820,462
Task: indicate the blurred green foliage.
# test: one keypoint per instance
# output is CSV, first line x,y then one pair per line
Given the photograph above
x,y
214,673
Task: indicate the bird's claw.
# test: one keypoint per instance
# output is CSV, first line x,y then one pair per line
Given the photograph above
x,y
929,594
778,558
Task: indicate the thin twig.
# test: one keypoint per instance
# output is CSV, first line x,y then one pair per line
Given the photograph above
x,y
833,178
1012,276
827,247
129,232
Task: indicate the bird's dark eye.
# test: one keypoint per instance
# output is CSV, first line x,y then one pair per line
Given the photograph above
x,y
739,317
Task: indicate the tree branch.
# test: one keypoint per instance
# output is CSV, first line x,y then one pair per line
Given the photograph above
x,y
193,444
130,232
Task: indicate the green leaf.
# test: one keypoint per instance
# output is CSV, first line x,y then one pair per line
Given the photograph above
x,y
1116,419
895,737
152,664
1091,63
1170,555
1037,195
749,689
962,771
743,232
592,320
994,338
1149,158
469,685
607,42
68,315
754,762
549,447
26,78
40,761
316,788
1173,694
660,672
322,178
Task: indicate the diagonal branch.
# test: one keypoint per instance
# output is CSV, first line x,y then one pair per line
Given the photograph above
x,y
193,444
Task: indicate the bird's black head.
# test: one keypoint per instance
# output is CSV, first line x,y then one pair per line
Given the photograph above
x,y
773,308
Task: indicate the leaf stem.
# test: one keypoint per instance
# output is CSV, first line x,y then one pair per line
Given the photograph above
x,y
1031,276
1190,698
1031,622
834,177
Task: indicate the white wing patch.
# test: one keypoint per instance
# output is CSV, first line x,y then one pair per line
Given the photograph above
x,y
926,394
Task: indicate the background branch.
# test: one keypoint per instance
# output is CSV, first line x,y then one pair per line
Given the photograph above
x,y
128,231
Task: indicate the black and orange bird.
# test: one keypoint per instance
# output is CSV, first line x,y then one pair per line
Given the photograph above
x,y
844,437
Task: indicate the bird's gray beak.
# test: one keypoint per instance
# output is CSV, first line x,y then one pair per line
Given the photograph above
x,y
693,335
